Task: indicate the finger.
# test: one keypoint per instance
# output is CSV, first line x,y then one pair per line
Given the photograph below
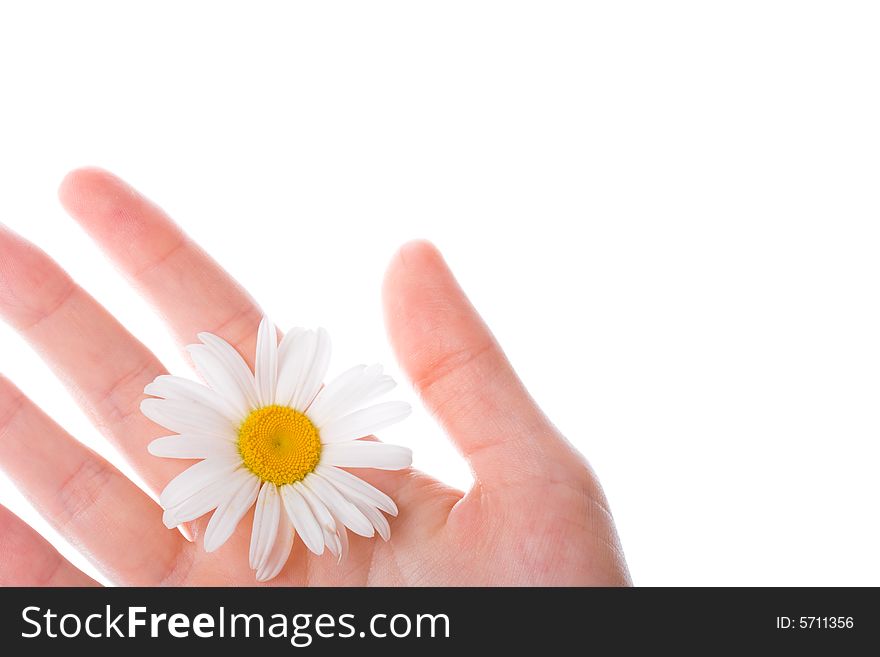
x,y
89,501
461,373
104,366
28,559
191,291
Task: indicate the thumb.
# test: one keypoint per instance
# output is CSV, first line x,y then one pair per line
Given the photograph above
x,y
462,374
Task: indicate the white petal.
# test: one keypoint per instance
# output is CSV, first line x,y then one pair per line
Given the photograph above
x,y
234,365
333,540
195,478
206,499
266,362
295,354
227,516
286,342
319,510
171,521
280,552
349,391
364,422
338,388
188,417
367,454
192,446
330,526
303,519
220,380
267,511
357,487
342,541
375,516
340,507
314,374
176,387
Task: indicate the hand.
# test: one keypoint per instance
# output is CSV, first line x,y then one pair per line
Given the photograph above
x,y
535,515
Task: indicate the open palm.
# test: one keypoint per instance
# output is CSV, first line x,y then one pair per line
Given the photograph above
x,y
535,515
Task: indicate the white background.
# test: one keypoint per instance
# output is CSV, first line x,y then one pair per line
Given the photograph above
x,y
668,212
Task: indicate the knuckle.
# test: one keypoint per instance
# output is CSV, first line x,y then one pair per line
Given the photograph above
x,y
117,402
452,361
11,404
82,490
240,325
50,306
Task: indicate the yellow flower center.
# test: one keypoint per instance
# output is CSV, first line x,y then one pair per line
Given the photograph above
x,y
279,444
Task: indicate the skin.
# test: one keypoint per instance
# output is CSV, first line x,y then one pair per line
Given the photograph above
x,y
535,515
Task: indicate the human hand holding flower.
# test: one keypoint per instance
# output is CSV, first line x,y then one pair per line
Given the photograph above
x,y
535,514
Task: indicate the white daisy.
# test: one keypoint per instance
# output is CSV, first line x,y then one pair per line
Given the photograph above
x,y
278,438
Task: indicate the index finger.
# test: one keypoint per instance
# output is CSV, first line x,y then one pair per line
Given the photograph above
x,y
188,288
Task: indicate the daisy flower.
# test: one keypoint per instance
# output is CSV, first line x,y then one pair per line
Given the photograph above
x,y
276,438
